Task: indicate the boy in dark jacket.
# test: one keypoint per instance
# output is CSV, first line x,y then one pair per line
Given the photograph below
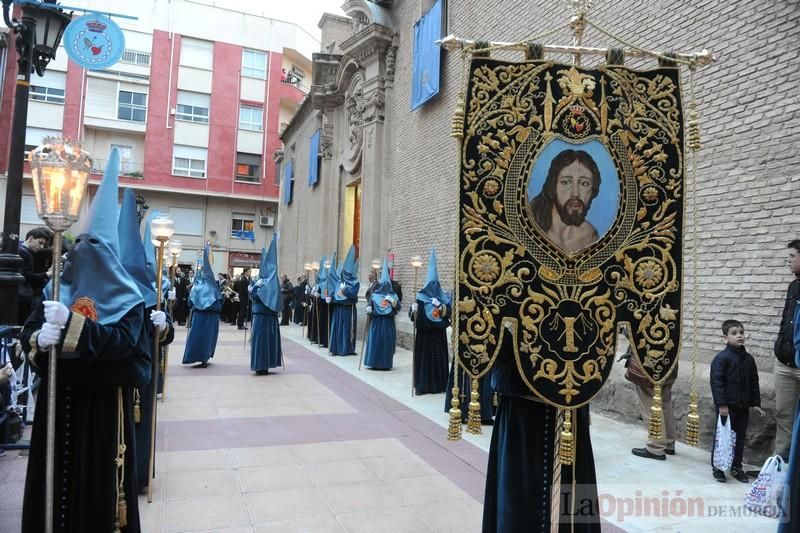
x,y
734,386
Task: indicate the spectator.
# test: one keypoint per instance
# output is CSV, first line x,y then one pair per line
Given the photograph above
x,y
30,292
787,375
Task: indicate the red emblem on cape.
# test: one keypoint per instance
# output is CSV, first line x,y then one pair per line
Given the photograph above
x,y
85,306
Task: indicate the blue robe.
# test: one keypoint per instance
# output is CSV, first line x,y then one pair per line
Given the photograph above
x,y
343,325
790,522
265,344
202,340
379,351
430,352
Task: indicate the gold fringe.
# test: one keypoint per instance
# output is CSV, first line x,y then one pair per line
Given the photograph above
x,y
655,429
137,406
566,448
454,427
693,422
474,414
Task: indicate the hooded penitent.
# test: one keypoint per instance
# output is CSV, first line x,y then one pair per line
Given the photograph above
x,y
331,279
205,291
321,274
270,291
432,289
349,277
378,302
132,252
150,254
94,281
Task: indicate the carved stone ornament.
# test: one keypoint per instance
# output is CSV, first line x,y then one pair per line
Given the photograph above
x,y
391,60
355,106
375,105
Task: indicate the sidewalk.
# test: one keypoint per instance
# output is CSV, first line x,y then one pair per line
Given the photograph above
x,y
324,447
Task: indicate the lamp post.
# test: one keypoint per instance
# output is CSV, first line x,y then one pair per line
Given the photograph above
x,y
161,230
141,207
38,35
307,268
60,171
416,262
175,249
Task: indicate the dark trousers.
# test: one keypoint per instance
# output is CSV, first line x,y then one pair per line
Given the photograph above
x,y
739,417
242,313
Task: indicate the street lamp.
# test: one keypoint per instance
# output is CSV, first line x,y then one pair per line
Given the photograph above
x,y
60,171
161,229
376,265
38,35
141,207
416,262
175,249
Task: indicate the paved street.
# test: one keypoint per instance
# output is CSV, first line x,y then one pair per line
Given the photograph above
x,y
322,447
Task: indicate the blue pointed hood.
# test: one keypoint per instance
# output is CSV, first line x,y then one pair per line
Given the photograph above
x,y
131,250
151,253
331,279
94,281
205,292
432,289
347,291
384,288
270,291
321,274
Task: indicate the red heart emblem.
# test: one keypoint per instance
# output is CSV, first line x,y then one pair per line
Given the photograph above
x,y
96,49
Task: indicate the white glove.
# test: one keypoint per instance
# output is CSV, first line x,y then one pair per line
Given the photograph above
x,y
260,283
342,285
56,313
368,309
328,300
171,295
414,307
435,302
159,319
50,335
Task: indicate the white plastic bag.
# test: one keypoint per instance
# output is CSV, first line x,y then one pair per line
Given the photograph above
x,y
764,496
724,444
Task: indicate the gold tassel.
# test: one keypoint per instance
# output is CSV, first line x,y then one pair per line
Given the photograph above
x,y
656,417
495,400
694,129
693,422
457,130
474,414
137,407
122,508
454,427
566,448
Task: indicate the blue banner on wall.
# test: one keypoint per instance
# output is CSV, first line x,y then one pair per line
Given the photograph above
x,y
427,56
288,182
244,235
313,159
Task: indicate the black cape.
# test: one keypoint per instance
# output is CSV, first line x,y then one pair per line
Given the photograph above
x,y
430,353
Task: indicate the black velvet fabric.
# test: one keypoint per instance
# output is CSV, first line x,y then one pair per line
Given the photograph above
x,y
430,354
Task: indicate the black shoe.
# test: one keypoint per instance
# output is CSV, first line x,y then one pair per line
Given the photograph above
x,y
669,452
719,475
242,327
201,365
644,452
740,475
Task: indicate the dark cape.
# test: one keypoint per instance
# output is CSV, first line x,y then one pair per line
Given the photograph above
x,y
323,326
107,359
180,307
381,342
143,427
299,293
430,352
265,343
311,321
202,341
523,463
485,394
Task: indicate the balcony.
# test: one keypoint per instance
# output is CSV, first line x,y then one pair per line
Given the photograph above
x,y
296,82
127,169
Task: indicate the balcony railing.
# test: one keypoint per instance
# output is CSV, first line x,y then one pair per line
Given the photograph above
x,y
295,82
127,169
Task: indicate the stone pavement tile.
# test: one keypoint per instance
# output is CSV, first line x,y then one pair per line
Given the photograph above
x,y
205,513
198,460
396,467
288,504
151,515
319,452
456,516
10,520
387,447
263,456
339,472
402,520
273,477
201,483
244,529
470,480
362,496
170,411
11,494
324,524
424,489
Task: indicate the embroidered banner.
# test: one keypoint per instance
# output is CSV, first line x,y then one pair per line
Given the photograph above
x,y
571,187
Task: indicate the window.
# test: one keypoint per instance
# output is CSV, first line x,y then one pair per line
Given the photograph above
x,y
187,221
132,106
135,57
189,161
278,165
35,137
28,212
47,94
242,222
193,107
254,64
197,53
250,118
248,167
127,166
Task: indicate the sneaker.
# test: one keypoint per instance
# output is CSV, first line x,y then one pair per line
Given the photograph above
x,y
644,452
719,475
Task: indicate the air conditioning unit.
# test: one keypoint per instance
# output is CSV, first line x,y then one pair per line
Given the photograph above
x,y
266,221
